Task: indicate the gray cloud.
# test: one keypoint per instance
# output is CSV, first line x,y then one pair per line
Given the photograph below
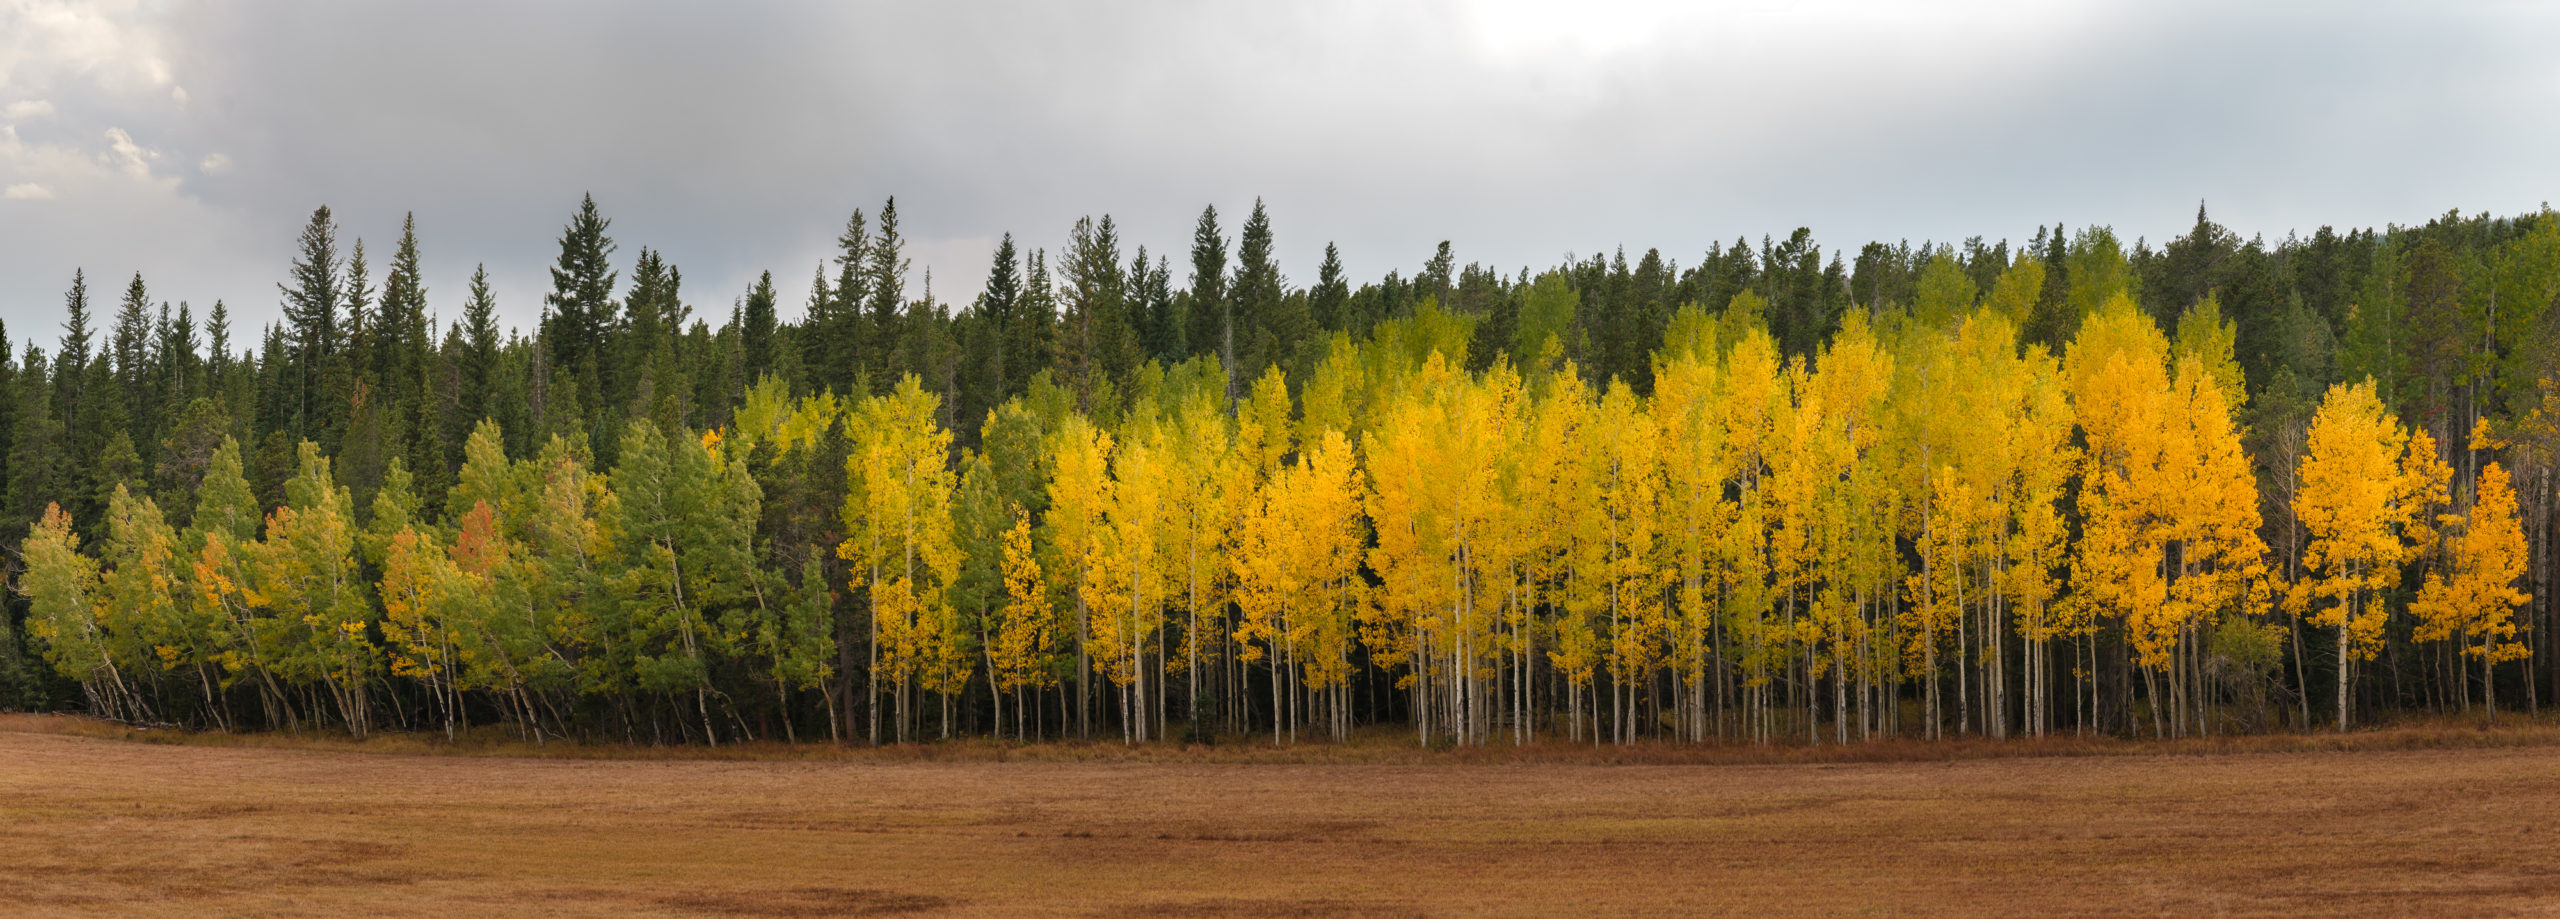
x,y
188,141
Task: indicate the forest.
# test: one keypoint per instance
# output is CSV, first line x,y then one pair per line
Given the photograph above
x,y
1779,494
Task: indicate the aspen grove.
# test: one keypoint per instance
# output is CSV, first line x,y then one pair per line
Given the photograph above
x,y
2221,486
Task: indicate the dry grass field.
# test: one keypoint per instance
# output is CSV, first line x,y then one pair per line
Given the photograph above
x,y
98,825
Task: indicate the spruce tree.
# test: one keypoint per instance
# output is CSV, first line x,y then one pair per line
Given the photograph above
x,y
885,283
71,357
755,334
1212,316
311,307
1000,309
401,344
1329,302
1267,326
835,343
577,309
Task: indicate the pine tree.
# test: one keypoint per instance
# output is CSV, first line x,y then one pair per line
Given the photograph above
x,y
578,310
1329,302
1098,346
885,281
1211,312
1010,355
1269,325
757,326
71,358
834,343
479,359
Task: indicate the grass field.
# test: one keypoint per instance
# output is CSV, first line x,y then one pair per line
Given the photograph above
x,y
97,824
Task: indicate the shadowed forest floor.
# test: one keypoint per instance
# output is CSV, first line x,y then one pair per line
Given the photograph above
x,y
92,824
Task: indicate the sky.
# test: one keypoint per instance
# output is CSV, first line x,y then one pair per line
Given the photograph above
x,y
189,141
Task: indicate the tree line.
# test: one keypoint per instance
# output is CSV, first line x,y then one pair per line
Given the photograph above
x,y
1947,488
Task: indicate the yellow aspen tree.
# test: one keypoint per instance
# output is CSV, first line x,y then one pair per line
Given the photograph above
x,y
2040,458
1753,388
1854,548
1694,510
2475,602
2212,501
1629,492
1486,420
1202,467
1026,641
2369,487
1435,464
1267,581
2117,375
1507,556
1801,469
1939,479
418,584
1331,534
1403,459
1567,556
1080,538
899,544
223,577
1124,631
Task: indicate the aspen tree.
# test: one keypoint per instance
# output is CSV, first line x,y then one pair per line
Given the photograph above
x,y
1561,477
417,580
307,578
142,611
1079,535
1124,630
1200,529
2475,602
223,578
900,546
1693,458
676,569
1628,492
1026,640
2369,489
59,584
1753,389
1854,547
1325,499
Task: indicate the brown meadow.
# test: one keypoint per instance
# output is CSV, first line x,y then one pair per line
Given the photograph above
x,y
2437,822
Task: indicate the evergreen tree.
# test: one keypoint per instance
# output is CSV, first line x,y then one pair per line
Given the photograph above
x,y
479,358
39,463
834,340
885,281
1211,315
71,357
311,307
1329,301
577,312
755,331
1012,353
1269,326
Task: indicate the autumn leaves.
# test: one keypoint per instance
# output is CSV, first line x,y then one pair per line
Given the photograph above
x,y
1761,547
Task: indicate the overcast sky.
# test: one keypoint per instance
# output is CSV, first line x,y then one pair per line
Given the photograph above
x,y
189,141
